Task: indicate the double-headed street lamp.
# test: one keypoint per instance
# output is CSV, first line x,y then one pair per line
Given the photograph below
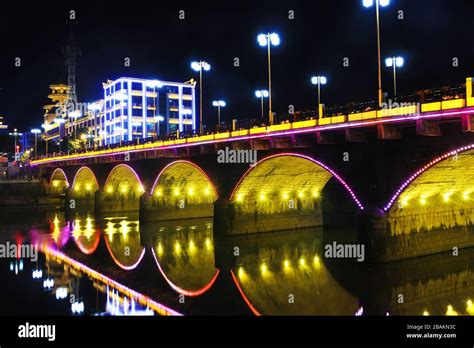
x,y
378,3
261,93
200,66
269,40
15,134
318,81
395,62
219,104
36,131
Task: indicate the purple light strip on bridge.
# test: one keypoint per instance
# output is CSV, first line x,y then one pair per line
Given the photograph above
x,y
354,124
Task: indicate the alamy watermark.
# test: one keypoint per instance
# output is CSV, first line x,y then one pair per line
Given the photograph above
x,y
228,155
345,251
406,108
16,251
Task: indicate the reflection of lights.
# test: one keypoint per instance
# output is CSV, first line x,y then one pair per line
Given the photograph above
x,y
177,247
160,249
208,243
241,273
316,259
12,266
263,268
192,247
451,311
21,265
48,283
61,293
37,274
470,307
302,262
286,264
77,307
426,313
359,312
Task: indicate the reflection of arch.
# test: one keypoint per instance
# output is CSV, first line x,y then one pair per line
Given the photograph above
x,y
184,178
58,180
242,293
438,195
286,175
181,290
133,244
86,237
123,179
85,181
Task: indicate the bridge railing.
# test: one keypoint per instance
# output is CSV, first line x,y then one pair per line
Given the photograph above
x,y
446,98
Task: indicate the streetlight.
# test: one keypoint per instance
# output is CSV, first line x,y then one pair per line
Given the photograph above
x,y
15,134
262,93
59,121
95,108
36,131
268,40
219,104
158,119
200,66
378,3
319,80
395,62
75,115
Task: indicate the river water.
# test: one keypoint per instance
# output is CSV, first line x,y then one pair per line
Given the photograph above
x,y
115,265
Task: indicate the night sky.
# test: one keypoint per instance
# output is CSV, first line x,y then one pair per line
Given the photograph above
x,y
160,45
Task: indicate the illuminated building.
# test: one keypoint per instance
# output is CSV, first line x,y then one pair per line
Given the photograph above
x,y
3,127
138,108
54,130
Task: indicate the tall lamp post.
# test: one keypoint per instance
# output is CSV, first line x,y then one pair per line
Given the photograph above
x,y
262,93
15,134
200,66
75,115
318,81
59,121
36,131
268,40
219,104
394,62
378,3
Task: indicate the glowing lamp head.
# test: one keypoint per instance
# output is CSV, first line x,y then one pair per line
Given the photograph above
x,y
154,84
367,3
315,80
262,40
274,39
36,131
219,103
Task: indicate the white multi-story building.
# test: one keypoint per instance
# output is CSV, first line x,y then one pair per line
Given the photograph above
x,y
136,108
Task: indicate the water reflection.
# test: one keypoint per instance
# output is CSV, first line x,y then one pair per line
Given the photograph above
x,y
184,254
122,238
89,258
284,274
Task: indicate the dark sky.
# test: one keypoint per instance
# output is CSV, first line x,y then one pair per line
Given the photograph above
x,y
162,46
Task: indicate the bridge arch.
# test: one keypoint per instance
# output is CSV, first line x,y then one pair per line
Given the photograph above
x,y
286,175
58,181
438,195
85,182
123,180
182,190
284,191
184,179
